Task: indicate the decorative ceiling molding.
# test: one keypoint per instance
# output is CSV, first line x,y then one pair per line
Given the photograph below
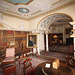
x,y
16,2
56,9
7,25
56,2
48,20
36,12
13,12
53,10
14,16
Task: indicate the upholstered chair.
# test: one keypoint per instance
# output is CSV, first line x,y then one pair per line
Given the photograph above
x,y
9,57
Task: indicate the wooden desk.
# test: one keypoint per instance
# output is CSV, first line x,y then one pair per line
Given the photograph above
x,y
62,70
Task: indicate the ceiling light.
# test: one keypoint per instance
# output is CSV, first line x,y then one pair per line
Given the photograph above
x,y
23,10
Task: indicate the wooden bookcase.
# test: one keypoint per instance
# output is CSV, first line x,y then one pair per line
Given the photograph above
x,y
6,38
17,39
20,41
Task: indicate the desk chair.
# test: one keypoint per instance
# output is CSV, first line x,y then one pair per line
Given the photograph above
x,y
10,53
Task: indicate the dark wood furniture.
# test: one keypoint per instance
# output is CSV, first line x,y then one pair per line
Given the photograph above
x,y
10,70
62,70
27,63
22,58
70,61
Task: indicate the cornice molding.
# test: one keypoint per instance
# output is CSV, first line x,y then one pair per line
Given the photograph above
x,y
13,16
53,10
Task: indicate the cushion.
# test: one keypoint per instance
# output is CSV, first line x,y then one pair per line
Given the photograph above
x,y
8,59
10,52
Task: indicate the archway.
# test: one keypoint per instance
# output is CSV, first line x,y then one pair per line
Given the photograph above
x,y
54,20
48,20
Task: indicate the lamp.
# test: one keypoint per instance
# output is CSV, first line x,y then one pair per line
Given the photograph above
x,y
55,36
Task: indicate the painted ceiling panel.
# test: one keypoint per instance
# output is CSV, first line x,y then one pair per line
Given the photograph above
x,y
19,1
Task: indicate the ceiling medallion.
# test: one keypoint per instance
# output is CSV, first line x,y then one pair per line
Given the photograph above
x,y
23,10
16,2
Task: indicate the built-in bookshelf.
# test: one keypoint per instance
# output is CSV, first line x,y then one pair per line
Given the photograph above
x,y
17,39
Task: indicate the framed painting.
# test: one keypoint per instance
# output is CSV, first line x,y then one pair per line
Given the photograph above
x,y
31,40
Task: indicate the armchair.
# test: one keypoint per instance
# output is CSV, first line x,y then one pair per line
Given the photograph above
x,y
9,57
27,63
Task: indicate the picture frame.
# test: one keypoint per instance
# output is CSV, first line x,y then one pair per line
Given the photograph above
x,y
31,40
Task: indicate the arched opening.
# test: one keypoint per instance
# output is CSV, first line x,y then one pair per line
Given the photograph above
x,y
59,39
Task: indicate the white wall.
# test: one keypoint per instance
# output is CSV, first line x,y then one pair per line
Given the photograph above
x,y
15,22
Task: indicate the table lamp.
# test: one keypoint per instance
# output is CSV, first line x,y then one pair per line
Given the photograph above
x,y
56,64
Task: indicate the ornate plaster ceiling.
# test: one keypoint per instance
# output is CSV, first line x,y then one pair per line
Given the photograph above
x,y
54,20
28,9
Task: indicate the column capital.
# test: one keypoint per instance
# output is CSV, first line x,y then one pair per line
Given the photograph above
x,y
46,32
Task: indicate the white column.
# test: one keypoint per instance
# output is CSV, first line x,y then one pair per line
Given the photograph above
x,y
47,49
74,40
38,45
74,48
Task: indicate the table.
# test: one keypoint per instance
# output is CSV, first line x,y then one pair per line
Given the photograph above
x,y
62,70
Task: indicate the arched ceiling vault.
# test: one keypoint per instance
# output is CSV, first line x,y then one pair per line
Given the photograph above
x,y
55,20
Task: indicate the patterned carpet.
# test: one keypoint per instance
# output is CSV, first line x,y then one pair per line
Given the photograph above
x,y
19,69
